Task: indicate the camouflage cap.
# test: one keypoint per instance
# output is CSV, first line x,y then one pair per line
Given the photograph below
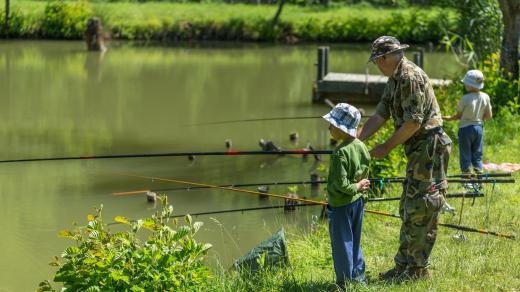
x,y
385,45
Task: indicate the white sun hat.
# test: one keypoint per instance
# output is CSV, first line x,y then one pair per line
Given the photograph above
x,y
344,117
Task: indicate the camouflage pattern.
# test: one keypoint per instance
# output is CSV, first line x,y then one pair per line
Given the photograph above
x,y
409,96
422,198
385,45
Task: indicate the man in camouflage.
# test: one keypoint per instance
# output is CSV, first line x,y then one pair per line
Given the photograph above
x,y
409,99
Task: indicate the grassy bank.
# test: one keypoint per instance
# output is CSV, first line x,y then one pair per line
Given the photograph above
x,y
214,21
481,263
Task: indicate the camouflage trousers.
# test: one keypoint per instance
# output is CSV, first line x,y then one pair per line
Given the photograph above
x,y
422,198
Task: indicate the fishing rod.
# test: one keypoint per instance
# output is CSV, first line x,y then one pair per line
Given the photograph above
x,y
481,175
457,195
312,182
230,211
323,203
262,119
228,185
327,101
172,154
452,180
467,195
256,120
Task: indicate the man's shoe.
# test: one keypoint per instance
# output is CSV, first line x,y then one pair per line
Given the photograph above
x,y
413,274
392,274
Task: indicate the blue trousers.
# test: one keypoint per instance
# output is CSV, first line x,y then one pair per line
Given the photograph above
x,y
470,148
345,225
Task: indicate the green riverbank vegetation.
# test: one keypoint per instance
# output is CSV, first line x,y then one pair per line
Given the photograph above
x,y
166,21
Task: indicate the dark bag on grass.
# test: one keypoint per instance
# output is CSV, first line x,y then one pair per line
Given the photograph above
x,y
270,253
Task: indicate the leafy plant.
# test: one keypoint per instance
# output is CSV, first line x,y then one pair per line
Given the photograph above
x,y
292,189
65,20
17,23
480,24
168,259
393,163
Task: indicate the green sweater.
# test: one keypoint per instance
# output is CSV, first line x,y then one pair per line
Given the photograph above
x,y
349,163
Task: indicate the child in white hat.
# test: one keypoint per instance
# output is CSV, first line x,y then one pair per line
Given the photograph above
x,y
473,109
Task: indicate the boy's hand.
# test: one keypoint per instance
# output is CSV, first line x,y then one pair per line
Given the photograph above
x,y
363,185
379,151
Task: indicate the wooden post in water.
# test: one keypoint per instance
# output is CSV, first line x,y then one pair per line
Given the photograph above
x,y
323,62
418,58
322,68
94,35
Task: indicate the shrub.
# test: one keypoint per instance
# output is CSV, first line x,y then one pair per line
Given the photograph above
x,y
394,162
169,260
17,23
65,20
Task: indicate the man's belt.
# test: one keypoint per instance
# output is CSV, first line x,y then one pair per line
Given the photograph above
x,y
425,134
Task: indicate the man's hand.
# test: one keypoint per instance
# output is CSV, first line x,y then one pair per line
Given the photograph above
x,y
406,131
363,185
379,151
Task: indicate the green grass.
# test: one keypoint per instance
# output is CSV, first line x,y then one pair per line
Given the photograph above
x,y
218,21
481,263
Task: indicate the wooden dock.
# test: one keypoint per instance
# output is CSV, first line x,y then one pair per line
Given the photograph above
x,y
353,88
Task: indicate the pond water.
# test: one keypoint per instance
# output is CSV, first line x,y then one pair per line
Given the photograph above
x,y
59,100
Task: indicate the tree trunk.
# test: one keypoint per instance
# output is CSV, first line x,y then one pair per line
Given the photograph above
x,y
278,12
509,51
7,18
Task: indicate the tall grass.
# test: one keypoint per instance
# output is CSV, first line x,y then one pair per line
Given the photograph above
x,y
481,263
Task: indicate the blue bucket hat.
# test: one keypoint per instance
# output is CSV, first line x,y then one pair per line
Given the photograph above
x,y
344,117
474,78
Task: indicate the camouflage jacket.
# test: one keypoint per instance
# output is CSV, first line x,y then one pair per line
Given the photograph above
x,y
409,96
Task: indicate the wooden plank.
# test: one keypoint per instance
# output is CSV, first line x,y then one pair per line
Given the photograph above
x,y
349,87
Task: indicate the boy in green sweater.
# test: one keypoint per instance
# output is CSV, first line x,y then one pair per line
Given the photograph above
x,y
347,180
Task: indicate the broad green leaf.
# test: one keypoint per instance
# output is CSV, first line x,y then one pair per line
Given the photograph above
x,y
206,246
121,219
197,225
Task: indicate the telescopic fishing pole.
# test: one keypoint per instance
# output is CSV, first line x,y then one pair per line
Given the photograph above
x,y
457,195
256,120
228,185
469,229
231,211
469,195
312,182
262,120
481,175
173,154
